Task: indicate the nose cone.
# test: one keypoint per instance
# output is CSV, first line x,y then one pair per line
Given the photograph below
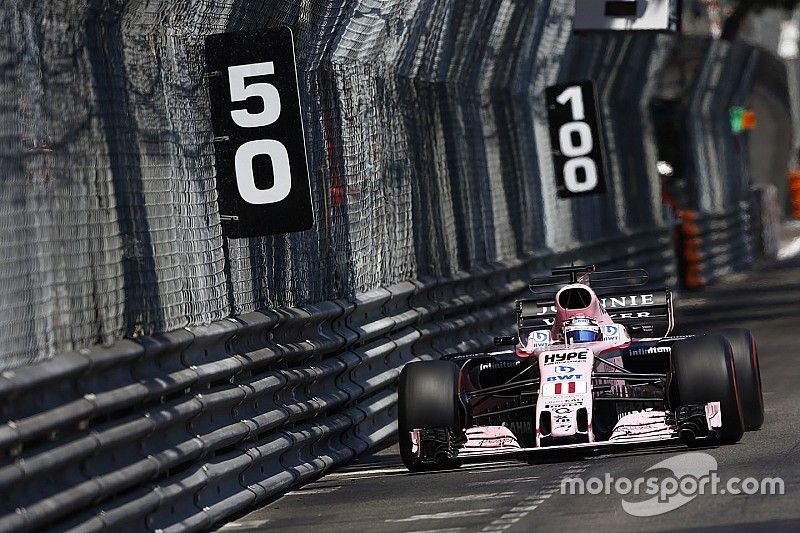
x,y
564,405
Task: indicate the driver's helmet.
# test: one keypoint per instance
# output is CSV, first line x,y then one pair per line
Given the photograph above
x,y
581,329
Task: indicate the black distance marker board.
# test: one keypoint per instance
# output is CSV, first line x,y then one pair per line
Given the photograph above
x,y
576,139
259,143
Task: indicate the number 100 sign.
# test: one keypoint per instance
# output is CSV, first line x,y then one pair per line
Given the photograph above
x,y
576,139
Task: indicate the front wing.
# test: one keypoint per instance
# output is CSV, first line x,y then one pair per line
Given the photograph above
x,y
644,427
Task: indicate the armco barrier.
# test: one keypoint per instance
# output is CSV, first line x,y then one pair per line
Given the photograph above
x,y
715,245
177,432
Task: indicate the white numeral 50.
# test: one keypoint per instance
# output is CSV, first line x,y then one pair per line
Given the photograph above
x,y
275,150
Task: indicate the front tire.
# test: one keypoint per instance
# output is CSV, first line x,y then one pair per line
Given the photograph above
x,y
703,372
748,376
427,399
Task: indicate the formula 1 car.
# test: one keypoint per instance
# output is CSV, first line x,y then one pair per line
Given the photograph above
x,y
585,371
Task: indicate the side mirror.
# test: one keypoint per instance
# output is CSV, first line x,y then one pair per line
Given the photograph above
x,y
505,341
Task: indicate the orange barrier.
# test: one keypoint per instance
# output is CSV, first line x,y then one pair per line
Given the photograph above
x,y
794,192
692,256
712,244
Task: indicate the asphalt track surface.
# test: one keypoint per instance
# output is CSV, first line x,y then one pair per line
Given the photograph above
x,y
376,493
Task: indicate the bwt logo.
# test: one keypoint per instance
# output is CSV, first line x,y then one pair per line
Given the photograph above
x,y
565,357
567,377
541,336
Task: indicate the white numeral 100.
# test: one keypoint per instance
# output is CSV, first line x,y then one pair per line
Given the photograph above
x,y
577,152
275,150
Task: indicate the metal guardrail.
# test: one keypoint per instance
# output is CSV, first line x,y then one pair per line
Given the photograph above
x,y
178,431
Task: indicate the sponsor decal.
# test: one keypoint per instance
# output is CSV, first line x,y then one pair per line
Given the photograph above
x,y
569,387
562,417
520,428
562,421
566,403
566,357
565,368
541,336
613,316
498,364
538,339
459,357
611,333
565,377
650,350
613,302
639,314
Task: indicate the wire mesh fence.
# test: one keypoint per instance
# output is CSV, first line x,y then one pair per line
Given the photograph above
x,y
427,145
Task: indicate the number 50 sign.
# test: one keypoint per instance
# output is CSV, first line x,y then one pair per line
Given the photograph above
x,y
576,139
262,173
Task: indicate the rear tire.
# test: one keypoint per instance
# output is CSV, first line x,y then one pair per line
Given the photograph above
x,y
748,376
704,371
427,399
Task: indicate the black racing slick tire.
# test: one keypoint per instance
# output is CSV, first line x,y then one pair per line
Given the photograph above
x,y
748,376
427,399
703,372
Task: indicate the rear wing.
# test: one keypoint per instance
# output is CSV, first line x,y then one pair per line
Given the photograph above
x,y
643,313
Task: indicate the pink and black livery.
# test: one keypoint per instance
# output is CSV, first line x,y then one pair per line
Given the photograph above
x,y
629,383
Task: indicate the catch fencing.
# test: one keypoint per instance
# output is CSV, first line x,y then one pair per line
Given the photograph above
x,y
725,223
427,140
717,167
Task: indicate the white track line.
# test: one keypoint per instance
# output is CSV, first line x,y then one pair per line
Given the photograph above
x,y
305,492
469,498
242,524
448,530
503,481
442,516
351,473
499,465
530,504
